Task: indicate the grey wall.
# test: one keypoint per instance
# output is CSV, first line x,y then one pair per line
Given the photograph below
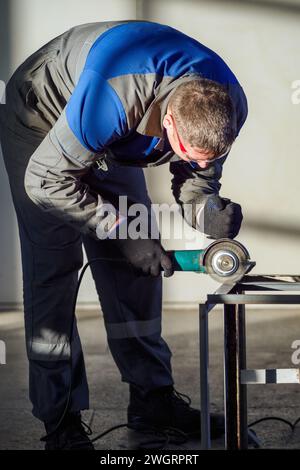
x,y
25,25
260,41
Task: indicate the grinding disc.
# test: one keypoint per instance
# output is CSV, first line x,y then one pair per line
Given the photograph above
x,y
226,260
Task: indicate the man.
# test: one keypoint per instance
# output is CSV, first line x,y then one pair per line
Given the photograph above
x,y
83,115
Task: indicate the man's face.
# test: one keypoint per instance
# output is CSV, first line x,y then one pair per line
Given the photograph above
x,y
187,153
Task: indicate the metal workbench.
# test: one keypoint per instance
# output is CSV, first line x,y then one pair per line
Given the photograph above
x,y
234,298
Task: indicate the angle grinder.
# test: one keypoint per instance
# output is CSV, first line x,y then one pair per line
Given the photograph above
x,y
225,260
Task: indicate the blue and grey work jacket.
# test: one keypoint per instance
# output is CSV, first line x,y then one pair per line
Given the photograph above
x,y
108,86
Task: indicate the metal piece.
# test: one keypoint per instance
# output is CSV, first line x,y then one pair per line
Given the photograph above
x,y
270,376
204,379
273,282
243,299
224,289
285,278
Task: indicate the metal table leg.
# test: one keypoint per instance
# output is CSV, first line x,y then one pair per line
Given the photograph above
x,y
204,379
235,398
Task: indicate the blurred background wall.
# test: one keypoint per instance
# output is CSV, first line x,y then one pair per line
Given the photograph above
x,y
260,41
25,26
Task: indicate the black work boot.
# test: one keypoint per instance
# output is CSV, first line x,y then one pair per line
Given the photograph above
x,y
165,408
70,435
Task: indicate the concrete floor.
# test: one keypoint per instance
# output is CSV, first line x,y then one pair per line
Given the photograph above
x,y
270,335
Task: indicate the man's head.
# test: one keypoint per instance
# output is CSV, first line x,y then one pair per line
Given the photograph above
x,y
200,121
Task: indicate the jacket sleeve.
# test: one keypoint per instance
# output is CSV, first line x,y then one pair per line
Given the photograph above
x,y
53,178
191,186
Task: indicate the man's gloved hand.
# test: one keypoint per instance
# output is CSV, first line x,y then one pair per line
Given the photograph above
x,y
222,218
146,255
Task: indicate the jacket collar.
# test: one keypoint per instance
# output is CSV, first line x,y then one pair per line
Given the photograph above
x,y
152,122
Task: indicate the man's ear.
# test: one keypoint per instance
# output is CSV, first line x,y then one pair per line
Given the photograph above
x,y
167,121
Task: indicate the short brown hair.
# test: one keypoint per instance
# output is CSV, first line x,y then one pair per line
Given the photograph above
x,y
204,115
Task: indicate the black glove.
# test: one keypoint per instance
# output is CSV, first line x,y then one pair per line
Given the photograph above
x,y
222,218
146,255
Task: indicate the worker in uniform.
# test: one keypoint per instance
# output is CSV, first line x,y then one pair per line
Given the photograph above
x,y
83,116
